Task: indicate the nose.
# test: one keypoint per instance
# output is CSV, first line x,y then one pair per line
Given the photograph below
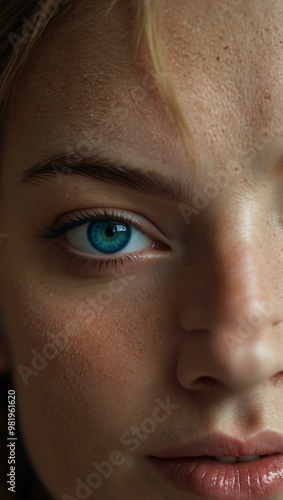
x,y
232,322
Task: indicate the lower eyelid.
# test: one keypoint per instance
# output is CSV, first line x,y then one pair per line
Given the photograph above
x,y
152,246
87,265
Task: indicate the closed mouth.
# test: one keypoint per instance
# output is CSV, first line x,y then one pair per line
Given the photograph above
x,y
250,458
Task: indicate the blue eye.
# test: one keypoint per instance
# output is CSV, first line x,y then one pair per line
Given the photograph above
x,y
104,233
107,236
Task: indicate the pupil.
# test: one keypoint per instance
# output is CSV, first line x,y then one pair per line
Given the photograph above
x,y
110,231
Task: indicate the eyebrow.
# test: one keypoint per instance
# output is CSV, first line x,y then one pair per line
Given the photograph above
x,y
102,169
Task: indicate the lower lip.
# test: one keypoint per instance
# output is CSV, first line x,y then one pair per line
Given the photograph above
x,y
209,479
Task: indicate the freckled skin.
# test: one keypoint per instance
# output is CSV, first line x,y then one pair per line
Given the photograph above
x,y
163,333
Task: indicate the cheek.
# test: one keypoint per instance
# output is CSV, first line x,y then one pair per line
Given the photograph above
x,y
87,370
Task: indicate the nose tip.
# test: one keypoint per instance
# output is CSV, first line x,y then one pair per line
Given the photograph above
x,y
255,316
205,360
247,344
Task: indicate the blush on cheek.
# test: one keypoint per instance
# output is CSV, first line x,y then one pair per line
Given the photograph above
x,y
85,372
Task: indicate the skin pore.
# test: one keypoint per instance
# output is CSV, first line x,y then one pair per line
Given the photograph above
x,y
164,332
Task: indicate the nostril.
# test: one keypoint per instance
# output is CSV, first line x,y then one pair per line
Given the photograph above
x,y
205,381
277,379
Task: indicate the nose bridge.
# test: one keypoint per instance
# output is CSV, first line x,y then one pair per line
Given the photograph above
x,y
241,261
240,276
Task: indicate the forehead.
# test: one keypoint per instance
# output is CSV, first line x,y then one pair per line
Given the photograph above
x,y
86,79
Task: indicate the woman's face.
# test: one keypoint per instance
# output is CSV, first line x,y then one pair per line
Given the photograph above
x,y
115,364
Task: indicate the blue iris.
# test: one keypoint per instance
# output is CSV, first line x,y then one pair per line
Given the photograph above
x,y
108,236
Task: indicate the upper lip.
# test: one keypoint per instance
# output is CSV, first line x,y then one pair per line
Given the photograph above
x,y
221,445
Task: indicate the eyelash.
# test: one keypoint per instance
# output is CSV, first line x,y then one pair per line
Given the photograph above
x,y
52,233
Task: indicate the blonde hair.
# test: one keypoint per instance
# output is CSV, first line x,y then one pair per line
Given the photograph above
x,y
15,50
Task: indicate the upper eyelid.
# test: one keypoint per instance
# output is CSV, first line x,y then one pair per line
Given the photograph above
x,y
88,215
81,221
